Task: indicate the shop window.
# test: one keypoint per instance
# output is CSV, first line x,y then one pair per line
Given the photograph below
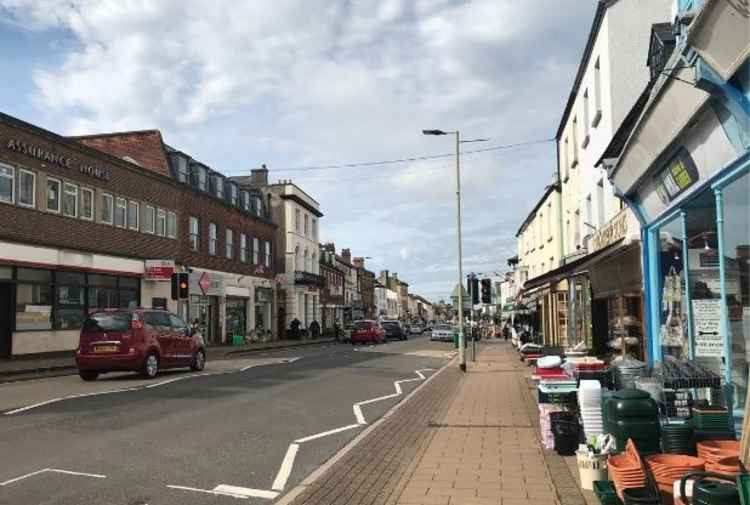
x,y
195,238
70,200
128,298
6,272
7,184
161,222
87,204
212,239
34,305
171,225
133,213
26,188
107,208
121,212
53,195
70,300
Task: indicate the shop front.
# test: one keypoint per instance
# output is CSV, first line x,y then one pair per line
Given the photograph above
x,y
686,172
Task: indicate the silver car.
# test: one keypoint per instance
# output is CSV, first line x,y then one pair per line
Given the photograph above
x,y
443,332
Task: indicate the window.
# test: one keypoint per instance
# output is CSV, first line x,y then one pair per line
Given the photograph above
x,y
180,163
245,200
600,202
178,324
229,243
315,229
7,183
597,94
195,237
87,204
171,225
133,215
70,303
577,230
149,219
200,177
107,201
217,186
53,195
268,254
70,200
256,252
34,299
121,212
161,222
585,119
296,220
233,193
243,248
26,188
574,133
306,229
258,201
212,239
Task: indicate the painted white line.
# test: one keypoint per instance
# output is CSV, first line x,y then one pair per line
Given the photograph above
x,y
208,491
286,468
291,360
326,433
168,381
248,367
33,406
79,474
21,477
358,414
246,491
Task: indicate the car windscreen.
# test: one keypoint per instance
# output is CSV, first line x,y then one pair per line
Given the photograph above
x,y
444,327
103,321
390,325
362,325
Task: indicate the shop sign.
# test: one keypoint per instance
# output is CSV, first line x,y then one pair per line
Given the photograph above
x,y
259,270
616,229
679,174
158,270
263,295
204,283
707,318
59,160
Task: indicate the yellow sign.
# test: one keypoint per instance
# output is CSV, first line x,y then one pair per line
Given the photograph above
x,y
615,230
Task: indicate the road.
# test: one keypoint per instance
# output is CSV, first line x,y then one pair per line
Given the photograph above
x,y
224,437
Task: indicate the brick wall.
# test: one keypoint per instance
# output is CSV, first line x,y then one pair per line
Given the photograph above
x,y
145,147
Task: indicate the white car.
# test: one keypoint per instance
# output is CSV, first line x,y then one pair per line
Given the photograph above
x,y
443,332
415,329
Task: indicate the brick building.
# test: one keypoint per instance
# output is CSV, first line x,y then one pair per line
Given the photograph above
x,y
332,293
227,240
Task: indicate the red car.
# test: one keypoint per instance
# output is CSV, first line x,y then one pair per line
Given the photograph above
x,y
367,331
142,340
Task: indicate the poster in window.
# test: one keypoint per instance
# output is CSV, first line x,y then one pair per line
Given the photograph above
x,y
707,319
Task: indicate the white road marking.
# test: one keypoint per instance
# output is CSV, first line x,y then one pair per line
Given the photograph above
x,y
52,470
326,433
168,381
248,367
358,414
286,468
208,491
246,491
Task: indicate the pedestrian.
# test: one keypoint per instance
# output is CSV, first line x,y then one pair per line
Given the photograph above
x,y
315,329
295,324
336,330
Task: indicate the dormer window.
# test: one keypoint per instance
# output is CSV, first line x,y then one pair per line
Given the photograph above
x,y
180,167
233,193
245,200
199,177
258,205
216,186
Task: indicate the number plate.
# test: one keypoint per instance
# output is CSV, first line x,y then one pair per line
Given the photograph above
x,y
105,348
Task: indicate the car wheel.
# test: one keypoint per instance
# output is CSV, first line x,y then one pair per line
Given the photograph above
x,y
150,366
88,375
199,361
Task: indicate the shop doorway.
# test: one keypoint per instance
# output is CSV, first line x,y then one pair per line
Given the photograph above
x,y
7,313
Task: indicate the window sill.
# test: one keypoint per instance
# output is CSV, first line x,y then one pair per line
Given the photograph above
x,y
597,118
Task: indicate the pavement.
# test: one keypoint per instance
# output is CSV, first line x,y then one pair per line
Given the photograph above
x,y
462,439
247,429
24,368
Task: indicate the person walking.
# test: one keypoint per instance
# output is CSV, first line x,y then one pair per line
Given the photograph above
x,y
295,324
314,329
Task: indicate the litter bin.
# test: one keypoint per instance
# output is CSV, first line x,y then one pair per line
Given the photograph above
x,y
238,340
455,340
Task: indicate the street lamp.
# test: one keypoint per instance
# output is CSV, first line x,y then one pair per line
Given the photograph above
x,y
461,337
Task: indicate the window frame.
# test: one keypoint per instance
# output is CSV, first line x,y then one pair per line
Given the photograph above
x,y
171,230
228,243
243,248
213,231
12,179
161,217
91,192
132,204
111,208
67,185
194,237
149,210
124,206
256,251
32,205
268,253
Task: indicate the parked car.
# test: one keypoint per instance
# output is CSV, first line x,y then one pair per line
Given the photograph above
x,y
142,340
415,329
393,329
365,331
443,332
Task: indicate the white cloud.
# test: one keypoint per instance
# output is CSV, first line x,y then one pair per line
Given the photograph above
x,y
296,83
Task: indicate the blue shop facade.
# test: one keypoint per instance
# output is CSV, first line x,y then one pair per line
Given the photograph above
x,y
684,169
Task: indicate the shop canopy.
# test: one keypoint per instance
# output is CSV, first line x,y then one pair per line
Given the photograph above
x,y
575,267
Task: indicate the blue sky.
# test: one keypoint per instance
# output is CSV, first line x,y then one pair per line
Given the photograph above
x,y
294,84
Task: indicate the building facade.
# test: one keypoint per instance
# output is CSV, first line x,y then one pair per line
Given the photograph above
x,y
332,294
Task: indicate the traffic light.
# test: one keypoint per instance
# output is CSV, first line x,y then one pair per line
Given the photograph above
x,y
180,286
486,291
474,290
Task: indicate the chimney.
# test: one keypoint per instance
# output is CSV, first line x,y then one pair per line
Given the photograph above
x,y
347,255
259,176
358,262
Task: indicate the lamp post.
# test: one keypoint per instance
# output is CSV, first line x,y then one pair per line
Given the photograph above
x,y
461,337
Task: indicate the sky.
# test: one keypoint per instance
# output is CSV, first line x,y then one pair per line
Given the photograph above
x,y
300,84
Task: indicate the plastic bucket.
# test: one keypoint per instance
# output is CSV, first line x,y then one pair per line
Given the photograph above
x,y
565,443
591,468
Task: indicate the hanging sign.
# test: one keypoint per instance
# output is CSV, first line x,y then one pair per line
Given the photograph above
x,y
708,339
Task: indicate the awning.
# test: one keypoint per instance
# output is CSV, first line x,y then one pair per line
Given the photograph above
x,y
617,272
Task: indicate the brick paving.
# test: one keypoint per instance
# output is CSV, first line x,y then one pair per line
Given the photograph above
x,y
462,440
